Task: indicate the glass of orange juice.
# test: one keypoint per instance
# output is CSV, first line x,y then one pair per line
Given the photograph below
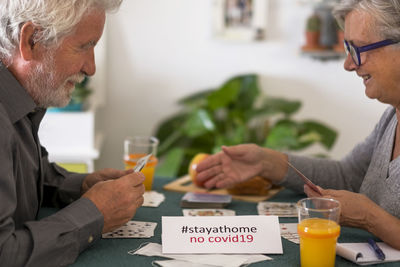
x,y
319,230
139,146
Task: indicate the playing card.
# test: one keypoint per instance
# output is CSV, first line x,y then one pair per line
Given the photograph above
x,y
281,209
133,229
289,232
141,163
232,260
152,199
305,179
208,212
205,200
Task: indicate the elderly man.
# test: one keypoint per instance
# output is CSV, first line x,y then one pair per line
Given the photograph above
x,y
367,180
46,46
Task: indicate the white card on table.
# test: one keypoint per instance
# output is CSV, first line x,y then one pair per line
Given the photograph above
x,y
208,212
281,209
221,234
289,232
133,229
223,260
152,199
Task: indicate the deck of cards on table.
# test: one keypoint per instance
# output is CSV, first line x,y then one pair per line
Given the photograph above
x,y
205,200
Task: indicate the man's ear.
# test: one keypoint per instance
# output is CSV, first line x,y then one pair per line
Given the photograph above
x,y
27,45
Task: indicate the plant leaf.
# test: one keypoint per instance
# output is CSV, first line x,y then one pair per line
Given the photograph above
x,y
170,141
198,99
198,123
234,137
225,95
327,134
273,105
171,163
167,128
249,91
282,136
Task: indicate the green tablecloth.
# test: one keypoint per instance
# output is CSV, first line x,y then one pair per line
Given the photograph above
x,y
113,252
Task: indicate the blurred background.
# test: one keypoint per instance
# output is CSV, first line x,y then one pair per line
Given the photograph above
x,y
154,52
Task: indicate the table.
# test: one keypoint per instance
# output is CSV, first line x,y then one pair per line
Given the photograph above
x,y
113,252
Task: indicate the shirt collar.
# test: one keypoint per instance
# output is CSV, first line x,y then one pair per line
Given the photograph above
x,y
15,99
36,117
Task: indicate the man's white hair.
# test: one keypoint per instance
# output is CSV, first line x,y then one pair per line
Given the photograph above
x,y
55,19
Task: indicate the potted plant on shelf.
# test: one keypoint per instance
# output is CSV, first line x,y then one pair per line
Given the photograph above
x,y
232,114
79,97
339,46
312,34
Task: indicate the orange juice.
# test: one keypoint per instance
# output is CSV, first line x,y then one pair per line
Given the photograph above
x,y
148,169
318,242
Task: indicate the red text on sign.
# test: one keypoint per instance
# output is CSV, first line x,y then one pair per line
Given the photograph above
x,y
223,239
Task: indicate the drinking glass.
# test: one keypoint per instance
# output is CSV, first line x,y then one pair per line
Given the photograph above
x,y
139,146
318,229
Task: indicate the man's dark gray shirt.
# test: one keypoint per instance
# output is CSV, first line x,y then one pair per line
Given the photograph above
x,y
26,180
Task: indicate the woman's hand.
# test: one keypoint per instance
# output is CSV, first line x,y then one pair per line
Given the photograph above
x,y
239,163
357,210
354,207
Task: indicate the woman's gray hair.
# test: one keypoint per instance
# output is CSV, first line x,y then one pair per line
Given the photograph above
x,y
55,19
386,13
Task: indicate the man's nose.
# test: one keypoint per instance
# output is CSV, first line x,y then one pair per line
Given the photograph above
x,y
89,66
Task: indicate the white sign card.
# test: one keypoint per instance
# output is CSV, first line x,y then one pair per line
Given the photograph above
x,y
221,234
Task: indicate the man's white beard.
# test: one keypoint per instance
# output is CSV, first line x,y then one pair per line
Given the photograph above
x,y
42,86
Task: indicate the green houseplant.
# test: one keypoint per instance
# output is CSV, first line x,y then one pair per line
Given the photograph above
x,y
231,114
313,32
313,23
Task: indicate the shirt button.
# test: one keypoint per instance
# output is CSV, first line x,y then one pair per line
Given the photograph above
x,y
90,240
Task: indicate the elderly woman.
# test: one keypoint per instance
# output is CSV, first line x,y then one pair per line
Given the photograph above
x,y
367,180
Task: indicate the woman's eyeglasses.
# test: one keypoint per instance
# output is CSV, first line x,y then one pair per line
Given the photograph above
x,y
355,51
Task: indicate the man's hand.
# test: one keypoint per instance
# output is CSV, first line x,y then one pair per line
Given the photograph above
x,y
117,199
239,163
102,175
354,207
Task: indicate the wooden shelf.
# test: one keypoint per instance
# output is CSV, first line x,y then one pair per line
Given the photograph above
x,y
323,54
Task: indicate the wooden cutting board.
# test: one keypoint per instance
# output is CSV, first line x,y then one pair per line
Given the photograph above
x,y
184,184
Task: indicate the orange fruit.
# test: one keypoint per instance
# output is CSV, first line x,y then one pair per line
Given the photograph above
x,y
192,167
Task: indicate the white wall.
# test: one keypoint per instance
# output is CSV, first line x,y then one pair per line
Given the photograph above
x,y
159,51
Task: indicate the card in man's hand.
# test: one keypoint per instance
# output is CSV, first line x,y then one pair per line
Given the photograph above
x,y
205,200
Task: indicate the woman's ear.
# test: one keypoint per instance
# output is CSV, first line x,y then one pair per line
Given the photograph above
x,y
27,45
